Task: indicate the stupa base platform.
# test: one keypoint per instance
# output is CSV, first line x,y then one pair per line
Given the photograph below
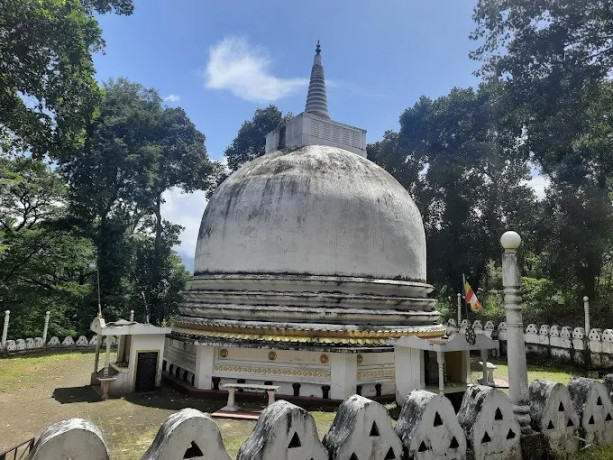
x,y
334,374
222,395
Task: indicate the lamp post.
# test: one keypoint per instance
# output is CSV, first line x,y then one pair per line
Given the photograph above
x,y
516,348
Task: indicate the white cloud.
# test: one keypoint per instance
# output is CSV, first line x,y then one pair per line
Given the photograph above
x,y
185,209
172,98
243,69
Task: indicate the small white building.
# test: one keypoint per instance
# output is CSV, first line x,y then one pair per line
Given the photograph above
x,y
138,367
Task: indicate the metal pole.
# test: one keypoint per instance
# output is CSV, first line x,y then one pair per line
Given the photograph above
x,y
99,303
131,315
516,347
5,329
46,328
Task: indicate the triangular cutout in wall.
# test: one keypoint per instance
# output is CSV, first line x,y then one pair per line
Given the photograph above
x,y
193,451
390,455
486,438
438,421
374,429
295,442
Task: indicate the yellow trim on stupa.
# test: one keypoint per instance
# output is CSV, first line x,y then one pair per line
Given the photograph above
x,y
276,334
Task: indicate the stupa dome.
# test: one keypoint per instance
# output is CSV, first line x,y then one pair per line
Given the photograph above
x,y
314,210
310,246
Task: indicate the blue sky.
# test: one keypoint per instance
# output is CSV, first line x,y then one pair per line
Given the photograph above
x,y
222,60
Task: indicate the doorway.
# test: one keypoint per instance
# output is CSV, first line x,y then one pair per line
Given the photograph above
x,y
146,369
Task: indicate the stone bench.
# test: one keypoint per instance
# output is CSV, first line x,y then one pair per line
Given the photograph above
x,y
232,387
489,379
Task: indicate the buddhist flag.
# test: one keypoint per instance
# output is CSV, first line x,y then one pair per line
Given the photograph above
x,y
470,296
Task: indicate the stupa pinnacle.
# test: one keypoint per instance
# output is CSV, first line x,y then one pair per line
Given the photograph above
x,y
314,126
317,102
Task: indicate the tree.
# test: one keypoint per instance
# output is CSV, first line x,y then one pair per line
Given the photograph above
x,y
250,141
552,60
466,178
48,93
135,151
44,265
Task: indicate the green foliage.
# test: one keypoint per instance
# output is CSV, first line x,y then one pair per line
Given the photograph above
x,y
250,141
135,151
44,265
48,93
466,177
551,61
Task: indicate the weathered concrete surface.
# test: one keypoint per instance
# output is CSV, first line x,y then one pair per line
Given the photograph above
x,y
362,428
595,409
316,210
553,414
608,383
75,439
489,423
283,432
187,434
429,428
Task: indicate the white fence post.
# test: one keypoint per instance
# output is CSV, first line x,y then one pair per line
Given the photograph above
x,y
5,329
46,328
516,347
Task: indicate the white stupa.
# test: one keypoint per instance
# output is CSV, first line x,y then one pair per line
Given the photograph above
x,y
309,261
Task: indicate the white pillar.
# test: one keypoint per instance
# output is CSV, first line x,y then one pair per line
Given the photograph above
x,y
466,364
5,329
485,380
516,347
97,356
131,315
344,375
204,367
440,360
459,309
46,328
107,360
586,311
409,368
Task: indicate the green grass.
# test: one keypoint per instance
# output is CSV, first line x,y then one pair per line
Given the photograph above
x,y
27,370
554,372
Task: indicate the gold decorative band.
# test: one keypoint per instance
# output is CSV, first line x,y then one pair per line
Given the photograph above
x,y
274,334
274,371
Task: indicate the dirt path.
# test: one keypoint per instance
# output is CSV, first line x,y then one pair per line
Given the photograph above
x,y
38,391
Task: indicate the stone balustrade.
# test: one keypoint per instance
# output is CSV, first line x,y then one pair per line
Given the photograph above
x,y
428,428
565,343
36,343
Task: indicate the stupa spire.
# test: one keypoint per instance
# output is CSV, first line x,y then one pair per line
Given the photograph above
x,y
317,102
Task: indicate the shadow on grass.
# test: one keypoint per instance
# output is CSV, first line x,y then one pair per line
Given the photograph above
x,y
76,394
